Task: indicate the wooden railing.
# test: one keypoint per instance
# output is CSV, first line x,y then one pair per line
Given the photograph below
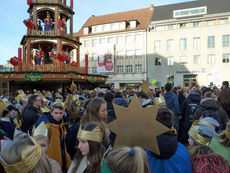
x,y
50,33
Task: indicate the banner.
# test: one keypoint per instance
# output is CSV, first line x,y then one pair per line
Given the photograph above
x,y
105,59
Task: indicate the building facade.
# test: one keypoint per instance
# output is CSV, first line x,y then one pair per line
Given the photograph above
x,y
126,33
189,43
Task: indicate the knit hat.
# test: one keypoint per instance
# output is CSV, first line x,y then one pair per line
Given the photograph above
x,y
203,130
206,90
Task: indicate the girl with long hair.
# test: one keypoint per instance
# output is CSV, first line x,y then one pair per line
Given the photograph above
x,y
90,149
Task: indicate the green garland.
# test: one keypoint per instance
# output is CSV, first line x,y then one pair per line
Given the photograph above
x,y
51,4
47,72
52,37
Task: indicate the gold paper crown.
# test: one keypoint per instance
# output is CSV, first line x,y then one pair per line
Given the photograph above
x,y
44,109
193,133
41,130
30,155
57,101
227,131
94,135
159,100
48,94
73,87
3,107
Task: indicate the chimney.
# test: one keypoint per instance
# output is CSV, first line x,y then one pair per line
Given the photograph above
x,y
151,7
93,15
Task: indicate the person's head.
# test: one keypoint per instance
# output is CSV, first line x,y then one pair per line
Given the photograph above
x,y
201,133
126,160
119,94
43,141
224,99
208,93
35,100
225,84
24,155
168,87
165,117
57,111
109,97
142,95
89,137
8,111
96,111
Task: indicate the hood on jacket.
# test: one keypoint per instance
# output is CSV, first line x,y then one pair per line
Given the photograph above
x,y
121,102
167,143
194,97
209,103
169,94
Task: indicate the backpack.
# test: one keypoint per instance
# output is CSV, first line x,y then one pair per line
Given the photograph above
x,y
192,108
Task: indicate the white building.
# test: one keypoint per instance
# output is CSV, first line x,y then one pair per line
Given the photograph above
x,y
189,43
126,33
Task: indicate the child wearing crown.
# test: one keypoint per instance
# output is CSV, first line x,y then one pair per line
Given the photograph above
x,y
57,128
90,150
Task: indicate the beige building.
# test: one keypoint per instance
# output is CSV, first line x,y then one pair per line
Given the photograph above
x,y
126,33
189,43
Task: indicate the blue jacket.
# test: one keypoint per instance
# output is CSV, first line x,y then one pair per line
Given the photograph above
x,y
179,162
172,102
121,102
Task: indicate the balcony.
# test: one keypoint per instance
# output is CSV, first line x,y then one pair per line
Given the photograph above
x,y
51,2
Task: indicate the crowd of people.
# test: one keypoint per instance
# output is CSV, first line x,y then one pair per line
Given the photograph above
x,y
52,131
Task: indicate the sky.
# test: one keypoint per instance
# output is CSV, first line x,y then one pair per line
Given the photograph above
x,y
13,13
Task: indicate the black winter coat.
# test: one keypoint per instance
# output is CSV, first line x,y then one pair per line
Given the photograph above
x,y
30,116
185,123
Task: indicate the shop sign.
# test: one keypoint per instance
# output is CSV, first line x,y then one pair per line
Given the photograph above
x,y
33,77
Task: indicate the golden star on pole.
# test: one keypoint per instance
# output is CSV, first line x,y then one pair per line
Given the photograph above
x,y
137,126
145,85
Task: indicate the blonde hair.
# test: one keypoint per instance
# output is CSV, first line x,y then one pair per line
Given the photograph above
x,y
127,160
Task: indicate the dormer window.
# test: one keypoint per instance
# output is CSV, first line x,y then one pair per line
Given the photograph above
x,y
133,24
86,30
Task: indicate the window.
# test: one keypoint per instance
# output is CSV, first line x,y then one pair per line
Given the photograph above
x,y
223,21
112,26
103,28
196,24
157,61
95,29
210,22
120,40
157,46
225,40
129,39
94,56
86,30
94,42
133,24
102,41
122,25
138,38
211,59
196,59
86,43
94,70
119,54
170,61
196,43
129,54
211,41
169,45
111,40
183,25
183,60
183,44
226,57
138,68
129,68
120,69
189,12
160,28
169,27
138,53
